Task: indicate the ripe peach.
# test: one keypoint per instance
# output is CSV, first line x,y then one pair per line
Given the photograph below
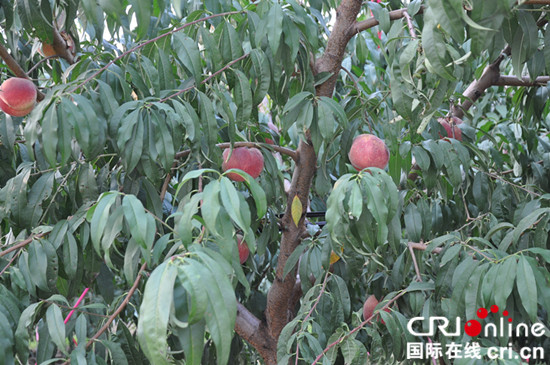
x,y
368,307
451,127
48,50
17,96
250,160
243,249
368,150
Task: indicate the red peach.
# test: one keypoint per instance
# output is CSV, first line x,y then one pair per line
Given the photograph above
x,y
17,96
368,308
451,127
250,160
368,150
243,249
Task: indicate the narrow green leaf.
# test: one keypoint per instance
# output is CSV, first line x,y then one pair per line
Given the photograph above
x,y
56,327
154,313
189,55
527,222
100,217
222,304
234,204
527,288
505,281
274,26
243,97
50,135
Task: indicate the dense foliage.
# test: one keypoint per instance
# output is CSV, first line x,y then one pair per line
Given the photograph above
x,y
112,187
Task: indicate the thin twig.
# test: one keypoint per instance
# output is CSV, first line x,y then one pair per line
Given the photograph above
x,y
317,300
360,326
416,268
135,48
41,61
23,243
207,79
494,176
120,307
423,247
282,150
410,24
9,263
167,181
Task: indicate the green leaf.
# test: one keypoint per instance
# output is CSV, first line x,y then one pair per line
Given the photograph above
x,y
262,74
56,327
325,119
38,265
221,310
294,258
154,313
190,276
422,157
143,12
505,281
234,204
274,26
545,254
413,222
243,97
192,341
435,46
230,43
258,193
37,16
527,222
142,224
450,254
527,288
70,255
100,216
49,135
115,350
189,55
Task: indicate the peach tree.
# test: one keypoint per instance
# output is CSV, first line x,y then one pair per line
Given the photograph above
x,y
122,220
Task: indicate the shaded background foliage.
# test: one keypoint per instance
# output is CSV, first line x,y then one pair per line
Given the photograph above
x,y
115,176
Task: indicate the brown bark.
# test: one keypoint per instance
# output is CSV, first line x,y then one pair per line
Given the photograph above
x,y
489,77
525,81
279,298
61,46
254,331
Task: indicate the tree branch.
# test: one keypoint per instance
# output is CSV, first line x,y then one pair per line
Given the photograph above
x,y
345,27
22,243
62,47
279,298
489,77
372,22
135,48
254,331
16,69
120,307
282,150
525,81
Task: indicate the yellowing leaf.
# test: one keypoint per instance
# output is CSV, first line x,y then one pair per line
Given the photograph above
x,y
333,257
296,210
